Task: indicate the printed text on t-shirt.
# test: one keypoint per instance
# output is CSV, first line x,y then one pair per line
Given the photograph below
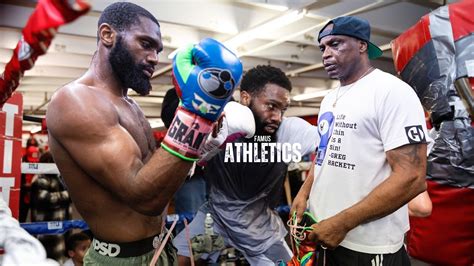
x,y
336,157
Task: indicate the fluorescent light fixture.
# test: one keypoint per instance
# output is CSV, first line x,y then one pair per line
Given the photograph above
x,y
271,25
266,5
172,54
255,32
310,95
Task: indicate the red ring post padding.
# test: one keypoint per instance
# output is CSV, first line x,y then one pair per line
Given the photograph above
x,y
10,152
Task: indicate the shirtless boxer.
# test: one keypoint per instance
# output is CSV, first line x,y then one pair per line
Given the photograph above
x,y
104,147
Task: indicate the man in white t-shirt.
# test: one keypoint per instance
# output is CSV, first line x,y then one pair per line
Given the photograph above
x,y
372,156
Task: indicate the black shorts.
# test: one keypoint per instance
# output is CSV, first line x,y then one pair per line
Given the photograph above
x,y
342,256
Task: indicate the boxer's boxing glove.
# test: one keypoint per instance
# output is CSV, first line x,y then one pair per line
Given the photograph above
x,y
205,76
238,121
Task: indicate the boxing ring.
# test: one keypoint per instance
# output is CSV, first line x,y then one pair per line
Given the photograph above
x,y
61,227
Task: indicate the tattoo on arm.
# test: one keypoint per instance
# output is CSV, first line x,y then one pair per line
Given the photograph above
x,y
408,157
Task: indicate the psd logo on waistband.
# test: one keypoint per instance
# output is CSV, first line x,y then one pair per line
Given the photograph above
x,y
106,249
415,134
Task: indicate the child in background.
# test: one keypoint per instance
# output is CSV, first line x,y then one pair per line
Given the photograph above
x,y
77,245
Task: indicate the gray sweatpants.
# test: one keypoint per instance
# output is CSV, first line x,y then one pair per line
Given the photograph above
x,y
276,252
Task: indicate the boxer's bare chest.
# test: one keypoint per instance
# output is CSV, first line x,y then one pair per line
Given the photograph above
x,y
134,121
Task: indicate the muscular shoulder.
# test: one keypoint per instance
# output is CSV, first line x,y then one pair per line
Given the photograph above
x,y
77,107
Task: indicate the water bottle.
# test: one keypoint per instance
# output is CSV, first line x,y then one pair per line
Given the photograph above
x,y
208,225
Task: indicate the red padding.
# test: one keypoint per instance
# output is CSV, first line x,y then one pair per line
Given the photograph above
x,y
462,19
405,46
447,236
11,123
36,38
159,136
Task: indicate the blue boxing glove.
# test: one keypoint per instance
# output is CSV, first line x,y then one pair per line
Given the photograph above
x,y
205,76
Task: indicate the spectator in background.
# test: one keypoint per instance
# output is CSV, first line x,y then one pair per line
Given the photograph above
x,y
50,202
31,156
77,245
31,141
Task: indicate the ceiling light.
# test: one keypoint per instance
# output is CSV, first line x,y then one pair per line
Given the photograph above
x,y
266,5
257,31
271,25
173,53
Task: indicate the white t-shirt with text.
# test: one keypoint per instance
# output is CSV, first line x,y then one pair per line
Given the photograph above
x,y
376,114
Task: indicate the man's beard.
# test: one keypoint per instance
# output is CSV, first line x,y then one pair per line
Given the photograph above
x,y
129,73
260,125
